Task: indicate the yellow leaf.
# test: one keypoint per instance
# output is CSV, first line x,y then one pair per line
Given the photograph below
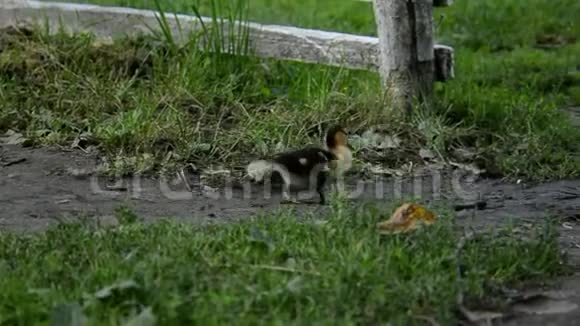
x,y
406,217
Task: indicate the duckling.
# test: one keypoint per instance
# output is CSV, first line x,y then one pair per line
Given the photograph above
x,y
337,144
300,169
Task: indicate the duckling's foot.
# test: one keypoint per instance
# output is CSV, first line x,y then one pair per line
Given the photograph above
x,y
286,201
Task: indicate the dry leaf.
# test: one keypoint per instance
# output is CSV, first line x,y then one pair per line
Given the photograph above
x,y
116,289
13,138
426,154
83,141
469,168
280,147
372,139
389,142
376,169
216,172
406,218
464,154
479,317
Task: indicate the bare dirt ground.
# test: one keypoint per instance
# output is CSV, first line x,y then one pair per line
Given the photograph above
x,y
41,187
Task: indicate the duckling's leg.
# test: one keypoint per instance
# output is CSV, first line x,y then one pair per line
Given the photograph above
x,y
286,198
320,185
337,181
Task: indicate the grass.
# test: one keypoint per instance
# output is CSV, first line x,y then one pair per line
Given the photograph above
x,y
274,269
148,107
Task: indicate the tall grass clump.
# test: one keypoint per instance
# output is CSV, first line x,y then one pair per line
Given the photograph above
x,y
155,102
333,268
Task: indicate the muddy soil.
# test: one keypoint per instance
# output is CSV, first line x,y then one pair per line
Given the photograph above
x,y
38,186
42,187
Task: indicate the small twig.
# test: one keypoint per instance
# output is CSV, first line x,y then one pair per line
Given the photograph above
x,y
239,209
16,161
428,319
218,126
229,151
284,269
181,175
82,149
441,17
